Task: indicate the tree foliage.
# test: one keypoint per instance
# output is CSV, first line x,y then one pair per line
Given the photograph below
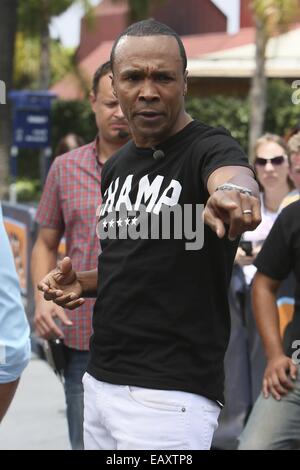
x,y
270,17
34,20
275,15
230,112
32,13
281,113
72,116
26,65
233,113
226,111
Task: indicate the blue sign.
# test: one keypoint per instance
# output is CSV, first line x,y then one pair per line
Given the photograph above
x,y
31,128
37,100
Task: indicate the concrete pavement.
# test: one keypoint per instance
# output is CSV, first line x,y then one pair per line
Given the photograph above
x,y
36,418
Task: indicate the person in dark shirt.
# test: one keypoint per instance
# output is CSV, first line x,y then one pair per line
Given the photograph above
x,y
161,322
67,208
274,422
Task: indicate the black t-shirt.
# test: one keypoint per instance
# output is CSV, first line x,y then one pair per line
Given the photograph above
x,y
280,255
161,318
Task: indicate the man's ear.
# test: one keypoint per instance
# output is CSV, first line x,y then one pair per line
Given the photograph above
x,y
92,99
113,85
185,83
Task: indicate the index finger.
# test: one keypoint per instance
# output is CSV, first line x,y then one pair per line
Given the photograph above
x,y
214,222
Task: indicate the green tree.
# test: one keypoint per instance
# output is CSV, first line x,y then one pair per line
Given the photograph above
x,y
27,57
270,17
227,111
281,113
34,20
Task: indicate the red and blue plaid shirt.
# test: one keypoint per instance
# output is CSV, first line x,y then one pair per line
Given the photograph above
x,y
69,201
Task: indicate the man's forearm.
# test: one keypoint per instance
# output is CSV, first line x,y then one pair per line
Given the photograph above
x,y
88,281
43,260
266,316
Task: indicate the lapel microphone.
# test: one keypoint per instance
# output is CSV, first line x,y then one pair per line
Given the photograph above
x,y
158,154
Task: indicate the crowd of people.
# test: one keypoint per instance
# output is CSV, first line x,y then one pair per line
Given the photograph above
x,y
277,167
145,322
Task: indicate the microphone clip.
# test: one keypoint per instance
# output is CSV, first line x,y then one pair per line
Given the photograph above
x,y
158,154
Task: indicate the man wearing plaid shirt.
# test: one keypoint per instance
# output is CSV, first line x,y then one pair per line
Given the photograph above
x,y
68,206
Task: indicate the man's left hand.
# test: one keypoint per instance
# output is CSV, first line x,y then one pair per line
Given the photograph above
x,y
239,211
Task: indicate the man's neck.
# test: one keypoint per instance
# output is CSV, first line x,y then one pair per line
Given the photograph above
x,y
151,143
106,149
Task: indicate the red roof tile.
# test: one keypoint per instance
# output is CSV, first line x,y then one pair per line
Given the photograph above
x,y
198,45
69,88
195,45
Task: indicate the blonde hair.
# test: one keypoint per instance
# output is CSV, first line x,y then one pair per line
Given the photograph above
x,y
294,143
268,137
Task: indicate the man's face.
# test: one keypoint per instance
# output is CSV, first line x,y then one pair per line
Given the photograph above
x,y
109,116
295,169
150,84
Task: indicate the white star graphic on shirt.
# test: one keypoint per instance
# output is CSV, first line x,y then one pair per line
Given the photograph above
x,y
111,223
119,222
105,223
134,221
127,221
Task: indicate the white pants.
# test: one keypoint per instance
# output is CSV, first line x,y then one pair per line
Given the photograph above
x,y
121,417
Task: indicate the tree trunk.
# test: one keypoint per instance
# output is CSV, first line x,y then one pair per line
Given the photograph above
x,y
258,89
8,23
45,47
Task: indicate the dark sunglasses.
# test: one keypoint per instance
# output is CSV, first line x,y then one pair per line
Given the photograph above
x,y
274,160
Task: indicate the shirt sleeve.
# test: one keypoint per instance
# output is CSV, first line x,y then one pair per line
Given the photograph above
x,y
14,327
220,149
49,213
275,259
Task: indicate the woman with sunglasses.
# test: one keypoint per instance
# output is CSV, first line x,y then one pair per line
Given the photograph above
x,y
245,360
272,170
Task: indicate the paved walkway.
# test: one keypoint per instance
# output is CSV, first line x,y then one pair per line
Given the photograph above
x,y
36,418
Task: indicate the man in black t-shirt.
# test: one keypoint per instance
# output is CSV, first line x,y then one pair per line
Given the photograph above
x,y
275,419
161,321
